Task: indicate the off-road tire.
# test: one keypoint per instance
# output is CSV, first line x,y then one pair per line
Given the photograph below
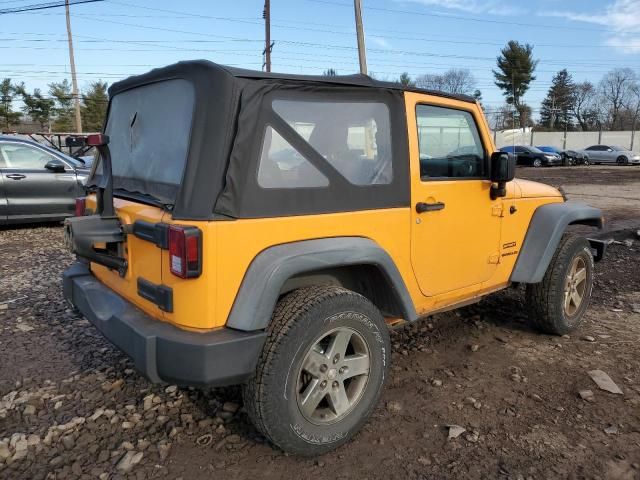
x,y
545,300
299,319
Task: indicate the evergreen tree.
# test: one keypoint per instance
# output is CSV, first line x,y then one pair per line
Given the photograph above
x,y
63,108
36,106
7,94
515,73
557,107
330,72
406,80
94,106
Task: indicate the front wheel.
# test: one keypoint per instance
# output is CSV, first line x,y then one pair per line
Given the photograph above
x,y
321,371
586,162
622,161
557,304
537,163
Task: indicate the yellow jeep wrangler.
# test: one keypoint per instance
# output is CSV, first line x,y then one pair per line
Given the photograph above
x,y
266,230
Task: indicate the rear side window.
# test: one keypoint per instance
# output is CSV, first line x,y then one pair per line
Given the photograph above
x,y
282,166
353,137
449,144
149,128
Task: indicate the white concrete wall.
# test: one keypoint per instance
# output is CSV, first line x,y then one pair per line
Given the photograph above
x,y
574,140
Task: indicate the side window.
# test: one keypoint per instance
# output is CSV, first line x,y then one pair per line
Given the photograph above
x,y
592,148
282,166
354,137
519,150
449,144
23,157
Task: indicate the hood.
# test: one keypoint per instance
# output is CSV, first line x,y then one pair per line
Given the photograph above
x,y
529,189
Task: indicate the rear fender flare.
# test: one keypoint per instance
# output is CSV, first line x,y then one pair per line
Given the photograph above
x,y
546,228
271,268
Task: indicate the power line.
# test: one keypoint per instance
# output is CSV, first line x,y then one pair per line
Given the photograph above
x,y
43,6
470,19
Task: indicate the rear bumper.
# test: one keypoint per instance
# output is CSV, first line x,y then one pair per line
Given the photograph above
x,y
163,352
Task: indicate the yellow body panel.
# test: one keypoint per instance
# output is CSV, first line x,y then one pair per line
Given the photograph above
x,y
445,258
143,257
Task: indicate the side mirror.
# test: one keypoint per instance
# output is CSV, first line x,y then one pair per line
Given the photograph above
x,y
503,170
55,165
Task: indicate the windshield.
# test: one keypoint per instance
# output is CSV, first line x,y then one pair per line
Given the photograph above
x,y
534,149
547,149
618,149
149,129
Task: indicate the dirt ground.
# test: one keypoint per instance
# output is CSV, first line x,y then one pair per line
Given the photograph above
x,y
71,405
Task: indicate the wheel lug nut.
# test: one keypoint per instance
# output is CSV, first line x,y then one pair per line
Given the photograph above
x,y
342,370
323,384
323,368
336,358
335,384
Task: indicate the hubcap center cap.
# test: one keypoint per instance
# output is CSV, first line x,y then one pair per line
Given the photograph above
x,y
332,374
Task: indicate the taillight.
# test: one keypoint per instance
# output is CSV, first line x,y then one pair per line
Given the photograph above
x,y
185,251
81,206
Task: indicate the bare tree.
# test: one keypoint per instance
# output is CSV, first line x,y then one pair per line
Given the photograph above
x,y
454,80
584,96
633,107
615,89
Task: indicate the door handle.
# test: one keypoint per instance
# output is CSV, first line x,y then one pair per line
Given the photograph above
x,y
422,207
16,176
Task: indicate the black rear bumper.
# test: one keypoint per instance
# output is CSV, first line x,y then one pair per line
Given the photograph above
x,y
163,352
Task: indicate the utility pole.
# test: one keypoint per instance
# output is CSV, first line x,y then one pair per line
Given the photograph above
x,y
74,80
266,14
362,54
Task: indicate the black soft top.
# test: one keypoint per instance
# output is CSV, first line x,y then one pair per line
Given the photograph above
x,y
232,107
357,79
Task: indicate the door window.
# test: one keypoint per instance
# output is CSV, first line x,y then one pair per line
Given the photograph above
x,y
449,144
23,157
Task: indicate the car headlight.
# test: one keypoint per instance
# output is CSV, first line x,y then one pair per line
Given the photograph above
x,y
551,157
636,157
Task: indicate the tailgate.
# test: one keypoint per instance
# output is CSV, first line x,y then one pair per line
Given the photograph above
x,y
144,259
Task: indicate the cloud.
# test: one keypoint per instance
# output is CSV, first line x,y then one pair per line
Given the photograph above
x,y
492,7
621,18
380,41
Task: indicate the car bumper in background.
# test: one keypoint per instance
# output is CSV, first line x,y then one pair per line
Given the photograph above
x,y
163,352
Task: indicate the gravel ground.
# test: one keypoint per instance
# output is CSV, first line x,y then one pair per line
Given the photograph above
x,y
72,406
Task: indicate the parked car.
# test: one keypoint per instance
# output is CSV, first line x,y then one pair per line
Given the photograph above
x,y
37,183
531,156
610,154
216,260
569,157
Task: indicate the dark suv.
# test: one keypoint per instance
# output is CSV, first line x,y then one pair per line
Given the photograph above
x,y
37,183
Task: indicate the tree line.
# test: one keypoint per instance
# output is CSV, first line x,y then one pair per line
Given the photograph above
x,y
613,103
53,111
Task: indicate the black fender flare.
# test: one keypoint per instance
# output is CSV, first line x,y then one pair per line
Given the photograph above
x,y
271,268
546,228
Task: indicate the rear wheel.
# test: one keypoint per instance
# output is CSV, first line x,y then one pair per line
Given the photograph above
x,y
557,304
321,371
586,162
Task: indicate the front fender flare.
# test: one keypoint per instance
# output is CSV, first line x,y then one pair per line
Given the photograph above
x,y
547,226
271,268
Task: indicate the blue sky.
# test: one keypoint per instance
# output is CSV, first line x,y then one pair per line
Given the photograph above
x,y
117,38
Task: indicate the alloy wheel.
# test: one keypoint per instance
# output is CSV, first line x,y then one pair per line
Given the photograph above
x,y
333,376
575,286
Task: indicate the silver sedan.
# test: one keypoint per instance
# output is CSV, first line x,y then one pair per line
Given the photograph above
x,y
610,154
